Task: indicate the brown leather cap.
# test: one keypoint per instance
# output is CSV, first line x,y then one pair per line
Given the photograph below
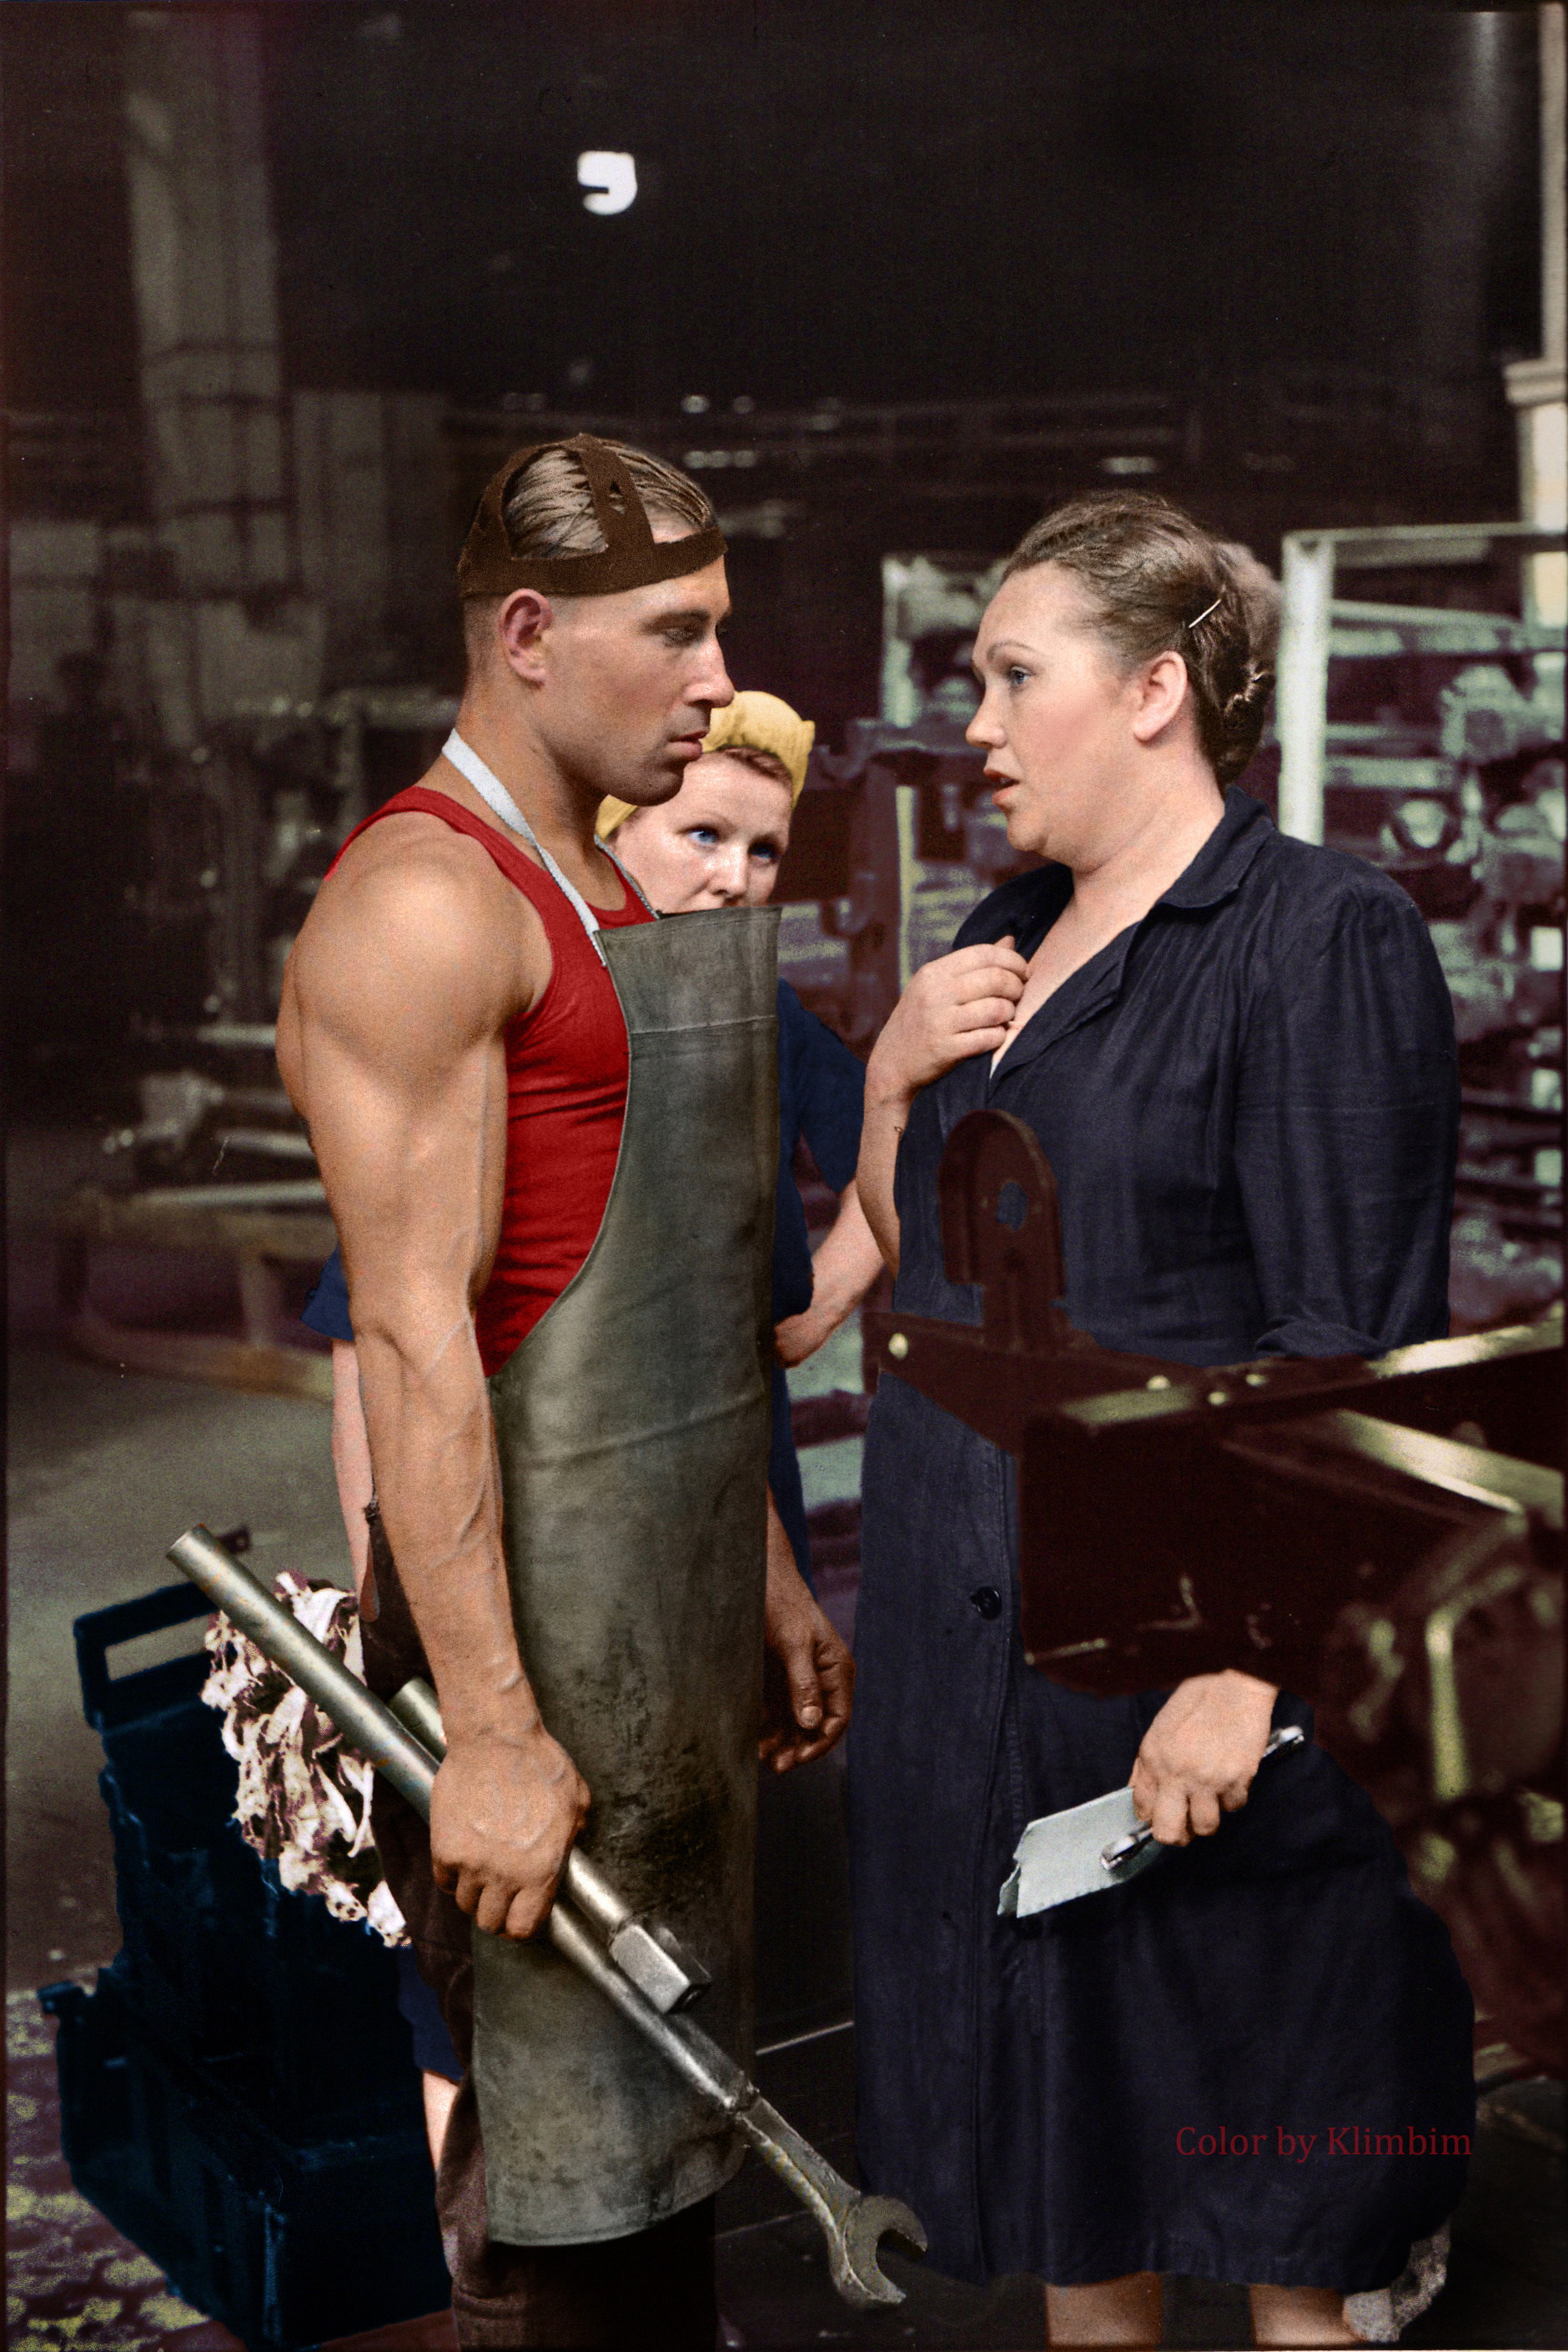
x,y
630,557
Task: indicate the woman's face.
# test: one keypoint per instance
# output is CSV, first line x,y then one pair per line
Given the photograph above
x,y
1055,719
717,844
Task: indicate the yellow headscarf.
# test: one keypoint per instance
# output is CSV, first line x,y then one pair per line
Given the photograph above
x,y
753,722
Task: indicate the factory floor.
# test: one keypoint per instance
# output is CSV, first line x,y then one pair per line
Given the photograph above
x,y
105,1469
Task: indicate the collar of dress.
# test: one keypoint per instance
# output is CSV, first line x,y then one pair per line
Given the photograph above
x,y
1221,863
1214,874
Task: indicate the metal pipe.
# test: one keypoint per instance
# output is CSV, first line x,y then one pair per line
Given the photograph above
x,y
700,2061
272,1143
260,1034
396,1753
416,1706
288,1193
650,1957
361,1719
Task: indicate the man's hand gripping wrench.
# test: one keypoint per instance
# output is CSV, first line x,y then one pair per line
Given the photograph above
x,y
643,1970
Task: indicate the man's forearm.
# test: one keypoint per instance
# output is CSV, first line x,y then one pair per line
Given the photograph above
x,y
507,1800
439,1494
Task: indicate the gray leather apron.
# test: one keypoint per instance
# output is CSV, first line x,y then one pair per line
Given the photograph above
x,y
632,1425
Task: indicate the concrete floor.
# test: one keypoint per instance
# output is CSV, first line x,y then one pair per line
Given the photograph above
x,y
105,1469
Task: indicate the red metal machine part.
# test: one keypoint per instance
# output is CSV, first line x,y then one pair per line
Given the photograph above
x,y
1384,1539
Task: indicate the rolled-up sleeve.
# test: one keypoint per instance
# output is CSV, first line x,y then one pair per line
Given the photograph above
x,y
1346,1132
832,1104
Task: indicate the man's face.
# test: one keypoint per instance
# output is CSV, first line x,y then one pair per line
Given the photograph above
x,y
626,685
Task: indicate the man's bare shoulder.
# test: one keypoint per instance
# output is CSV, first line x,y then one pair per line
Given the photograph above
x,y
418,925
411,861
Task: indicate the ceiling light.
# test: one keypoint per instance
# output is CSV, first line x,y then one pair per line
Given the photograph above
x,y
609,179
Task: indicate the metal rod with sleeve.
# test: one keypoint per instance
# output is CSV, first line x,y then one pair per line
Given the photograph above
x,y
852,2224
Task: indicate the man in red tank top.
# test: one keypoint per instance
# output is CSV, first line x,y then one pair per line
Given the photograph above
x,y
451,1036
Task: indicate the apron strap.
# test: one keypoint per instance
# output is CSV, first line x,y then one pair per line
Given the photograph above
x,y
494,793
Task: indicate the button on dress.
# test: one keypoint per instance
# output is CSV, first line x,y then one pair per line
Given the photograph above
x,y
1250,1101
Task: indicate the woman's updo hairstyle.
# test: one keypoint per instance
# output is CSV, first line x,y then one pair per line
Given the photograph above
x,y
1160,583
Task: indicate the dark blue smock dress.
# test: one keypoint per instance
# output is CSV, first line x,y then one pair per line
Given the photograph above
x,y
1250,1102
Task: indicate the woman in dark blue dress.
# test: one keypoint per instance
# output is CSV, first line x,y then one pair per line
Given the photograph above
x,y
1238,1052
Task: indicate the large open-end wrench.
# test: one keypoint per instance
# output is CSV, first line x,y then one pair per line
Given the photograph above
x,y
407,1746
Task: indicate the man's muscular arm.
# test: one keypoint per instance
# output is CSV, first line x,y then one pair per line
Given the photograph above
x,y
414,959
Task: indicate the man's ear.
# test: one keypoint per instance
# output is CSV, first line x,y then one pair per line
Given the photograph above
x,y
521,625
1163,689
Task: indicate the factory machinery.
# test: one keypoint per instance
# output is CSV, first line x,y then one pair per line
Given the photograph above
x,y
1426,737
218,1164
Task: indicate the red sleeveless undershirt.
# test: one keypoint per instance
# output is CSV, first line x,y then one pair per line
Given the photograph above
x,y
566,1094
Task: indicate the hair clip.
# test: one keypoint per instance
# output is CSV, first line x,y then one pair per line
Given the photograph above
x,y
1207,610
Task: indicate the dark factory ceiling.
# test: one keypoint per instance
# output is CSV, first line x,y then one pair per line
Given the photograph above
x,y
896,200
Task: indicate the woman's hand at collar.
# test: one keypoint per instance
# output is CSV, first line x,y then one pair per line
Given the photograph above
x,y
960,1006
956,1006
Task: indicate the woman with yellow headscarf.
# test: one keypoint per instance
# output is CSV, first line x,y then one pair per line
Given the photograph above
x,y
718,842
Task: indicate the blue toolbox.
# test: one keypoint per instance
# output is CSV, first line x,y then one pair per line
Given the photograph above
x,y
238,2095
